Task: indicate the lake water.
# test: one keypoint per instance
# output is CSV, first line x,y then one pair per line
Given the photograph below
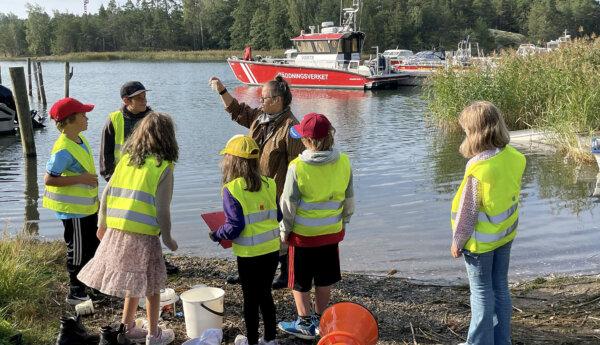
x,y
405,172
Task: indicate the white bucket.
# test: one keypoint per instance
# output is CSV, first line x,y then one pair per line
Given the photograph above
x,y
203,309
168,298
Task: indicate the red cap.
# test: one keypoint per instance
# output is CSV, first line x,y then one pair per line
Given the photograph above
x,y
313,125
68,106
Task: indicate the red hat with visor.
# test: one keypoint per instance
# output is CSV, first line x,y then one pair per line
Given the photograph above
x,y
68,106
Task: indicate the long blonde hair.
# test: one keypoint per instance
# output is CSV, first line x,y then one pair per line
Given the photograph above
x,y
154,136
234,167
485,128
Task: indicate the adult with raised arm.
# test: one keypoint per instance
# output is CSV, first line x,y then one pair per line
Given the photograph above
x,y
269,126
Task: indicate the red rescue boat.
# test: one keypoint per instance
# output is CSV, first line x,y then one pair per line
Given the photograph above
x,y
327,59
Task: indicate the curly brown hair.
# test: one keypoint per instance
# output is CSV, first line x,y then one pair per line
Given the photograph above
x,y
154,136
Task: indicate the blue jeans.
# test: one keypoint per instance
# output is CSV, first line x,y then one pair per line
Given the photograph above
x,y
491,307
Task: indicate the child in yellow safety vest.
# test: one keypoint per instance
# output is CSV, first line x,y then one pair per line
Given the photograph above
x,y
251,222
484,218
72,189
317,203
134,212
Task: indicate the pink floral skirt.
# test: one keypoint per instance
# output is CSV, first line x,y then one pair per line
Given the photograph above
x,y
126,265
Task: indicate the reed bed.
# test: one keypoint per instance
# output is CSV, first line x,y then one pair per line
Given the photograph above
x,y
556,92
30,272
195,55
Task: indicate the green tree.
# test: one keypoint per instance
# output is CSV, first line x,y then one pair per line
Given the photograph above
x,y
240,30
37,33
12,35
259,36
66,33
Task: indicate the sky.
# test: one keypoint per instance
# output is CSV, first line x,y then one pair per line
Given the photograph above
x,y
72,6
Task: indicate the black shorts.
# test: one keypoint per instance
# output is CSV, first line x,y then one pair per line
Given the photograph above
x,y
321,264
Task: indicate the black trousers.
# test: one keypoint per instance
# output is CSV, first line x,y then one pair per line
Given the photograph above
x,y
256,277
80,236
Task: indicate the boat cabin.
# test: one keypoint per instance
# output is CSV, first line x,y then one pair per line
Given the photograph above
x,y
329,48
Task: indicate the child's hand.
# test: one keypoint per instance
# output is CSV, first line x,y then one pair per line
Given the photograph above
x,y
170,243
213,237
455,251
283,237
89,179
100,232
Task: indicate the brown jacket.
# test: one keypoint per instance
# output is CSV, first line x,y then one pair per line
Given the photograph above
x,y
279,148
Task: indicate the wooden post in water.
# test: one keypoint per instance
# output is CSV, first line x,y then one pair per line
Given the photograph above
x,y
29,92
0,76
42,89
37,81
32,195
22,102
68,76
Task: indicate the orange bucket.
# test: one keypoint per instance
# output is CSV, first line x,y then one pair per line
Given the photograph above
x,y
348,323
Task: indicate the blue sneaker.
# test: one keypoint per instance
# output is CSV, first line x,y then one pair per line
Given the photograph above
x,y
315,319
299,328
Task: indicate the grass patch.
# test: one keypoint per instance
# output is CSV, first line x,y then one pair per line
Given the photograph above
x,y
556,92
30,275
196,55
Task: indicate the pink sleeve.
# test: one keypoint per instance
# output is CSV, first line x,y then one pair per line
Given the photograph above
x,y
468,212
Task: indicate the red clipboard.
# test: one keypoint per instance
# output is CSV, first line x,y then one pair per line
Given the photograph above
x,y
214,220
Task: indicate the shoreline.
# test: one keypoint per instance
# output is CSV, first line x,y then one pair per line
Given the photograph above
x,y
168,55
559,310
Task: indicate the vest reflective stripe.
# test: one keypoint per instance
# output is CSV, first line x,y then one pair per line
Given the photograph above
x,y
327,205
500,185
78,198
131,196
132,216
260,216
318,221
497,219
258,239
261,229
118,123
320,209
489,238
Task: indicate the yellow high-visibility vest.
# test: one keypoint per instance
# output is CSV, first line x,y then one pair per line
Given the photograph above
x,y
131,204
323,190
261,231
499,180
118,123
78,198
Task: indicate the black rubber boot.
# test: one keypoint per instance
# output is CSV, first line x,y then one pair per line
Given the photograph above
x,y
72,332
113,336
282,280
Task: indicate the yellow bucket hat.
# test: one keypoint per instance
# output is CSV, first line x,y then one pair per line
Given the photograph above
x,y
241,146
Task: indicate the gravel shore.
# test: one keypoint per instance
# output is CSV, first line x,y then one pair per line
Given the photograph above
x,y
562,310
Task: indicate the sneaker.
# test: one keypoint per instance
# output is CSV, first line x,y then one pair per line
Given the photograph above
x,y
299,328
113,336
136,334
72,332
76,295
164,337
97,296
171,269
262,341
316,320
240,340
